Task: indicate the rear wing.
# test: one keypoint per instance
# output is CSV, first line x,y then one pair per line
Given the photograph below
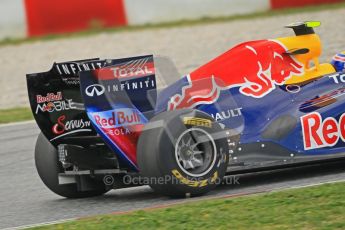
x,y
56,102
119,100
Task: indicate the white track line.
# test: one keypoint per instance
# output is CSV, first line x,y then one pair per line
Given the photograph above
x,y
17,123
186,201
41,224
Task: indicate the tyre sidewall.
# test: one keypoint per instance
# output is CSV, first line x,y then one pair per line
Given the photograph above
x,y
48,168
176,181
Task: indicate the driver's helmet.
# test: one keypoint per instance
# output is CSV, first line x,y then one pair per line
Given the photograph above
x,y
338,61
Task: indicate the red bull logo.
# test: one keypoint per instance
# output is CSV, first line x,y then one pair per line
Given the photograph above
x,y
319,133
255,67
117,118
122,126
49,98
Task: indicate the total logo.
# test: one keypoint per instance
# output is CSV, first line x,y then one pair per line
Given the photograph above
x,y
338,78
132,71
64,128
55,106
319,133
135,68
117,118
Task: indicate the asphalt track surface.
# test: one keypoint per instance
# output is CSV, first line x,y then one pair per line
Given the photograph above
x,y
24,200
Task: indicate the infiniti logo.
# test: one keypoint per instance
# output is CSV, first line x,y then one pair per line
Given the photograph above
x,y
95,89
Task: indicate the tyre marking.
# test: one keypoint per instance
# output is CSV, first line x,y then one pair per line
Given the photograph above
x,y
195,121
195,182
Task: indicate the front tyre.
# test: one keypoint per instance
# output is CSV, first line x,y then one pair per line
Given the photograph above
x,y
183,152
48,168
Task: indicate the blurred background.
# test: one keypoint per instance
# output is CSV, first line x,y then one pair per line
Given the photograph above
x,y
40,17
35,33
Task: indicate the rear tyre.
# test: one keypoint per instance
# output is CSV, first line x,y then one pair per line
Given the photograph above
x,y
48,168
183,152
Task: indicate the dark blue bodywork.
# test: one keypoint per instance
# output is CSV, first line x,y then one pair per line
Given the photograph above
x,y
251,117
258,113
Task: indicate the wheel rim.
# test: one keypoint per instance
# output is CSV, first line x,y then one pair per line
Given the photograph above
x,y
195,152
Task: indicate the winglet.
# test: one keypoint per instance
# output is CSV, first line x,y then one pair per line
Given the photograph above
x,y
304,28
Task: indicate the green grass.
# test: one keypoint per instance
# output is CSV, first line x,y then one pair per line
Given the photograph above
x,y
15,115
97,29
319,207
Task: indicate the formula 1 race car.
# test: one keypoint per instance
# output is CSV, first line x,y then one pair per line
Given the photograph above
x,y
265,104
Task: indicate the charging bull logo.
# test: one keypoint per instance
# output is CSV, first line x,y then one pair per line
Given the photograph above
x,y
256,67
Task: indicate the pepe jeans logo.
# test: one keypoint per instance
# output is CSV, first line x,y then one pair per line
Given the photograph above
x,y
95,89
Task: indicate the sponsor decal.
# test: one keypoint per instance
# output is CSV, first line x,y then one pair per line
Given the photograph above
x,y
64,128
123,71
98,90
49,98
53,102
320,133
95,90
56,106
338,78
69,71
117,118
195,121
255,67
227,114
74,68
117,132
134,85
135,68
120,128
